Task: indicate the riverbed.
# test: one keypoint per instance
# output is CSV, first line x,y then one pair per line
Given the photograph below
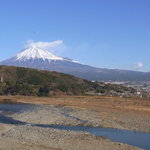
x,y
19,118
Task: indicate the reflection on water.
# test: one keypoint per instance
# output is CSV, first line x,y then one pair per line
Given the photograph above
x,y
137,139
16,108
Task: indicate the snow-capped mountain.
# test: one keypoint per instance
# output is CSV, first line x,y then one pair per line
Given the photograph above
x,y
34,57
36,53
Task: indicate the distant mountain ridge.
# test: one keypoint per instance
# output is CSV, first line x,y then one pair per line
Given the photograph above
x,y
34,57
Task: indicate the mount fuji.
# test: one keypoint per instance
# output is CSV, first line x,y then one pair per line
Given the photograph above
x,y
35,57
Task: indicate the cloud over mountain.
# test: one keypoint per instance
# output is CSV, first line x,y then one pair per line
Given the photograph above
x,y
44,45
139,65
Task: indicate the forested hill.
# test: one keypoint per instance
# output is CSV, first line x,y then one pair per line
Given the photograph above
x,y
24,81
32,82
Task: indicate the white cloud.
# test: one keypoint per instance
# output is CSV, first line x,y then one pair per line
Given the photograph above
x,y
139,65
44,45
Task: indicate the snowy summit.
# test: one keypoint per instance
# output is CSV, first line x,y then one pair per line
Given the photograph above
x,y
36,53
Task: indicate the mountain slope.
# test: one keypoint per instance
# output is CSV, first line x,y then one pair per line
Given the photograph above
x,y
34,57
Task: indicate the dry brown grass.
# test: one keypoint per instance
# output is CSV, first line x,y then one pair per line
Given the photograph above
x,y
85,102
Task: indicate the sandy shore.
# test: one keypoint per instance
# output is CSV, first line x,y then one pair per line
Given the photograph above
x,y
86,111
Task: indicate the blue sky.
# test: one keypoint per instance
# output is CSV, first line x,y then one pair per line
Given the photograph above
x,y
101,33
